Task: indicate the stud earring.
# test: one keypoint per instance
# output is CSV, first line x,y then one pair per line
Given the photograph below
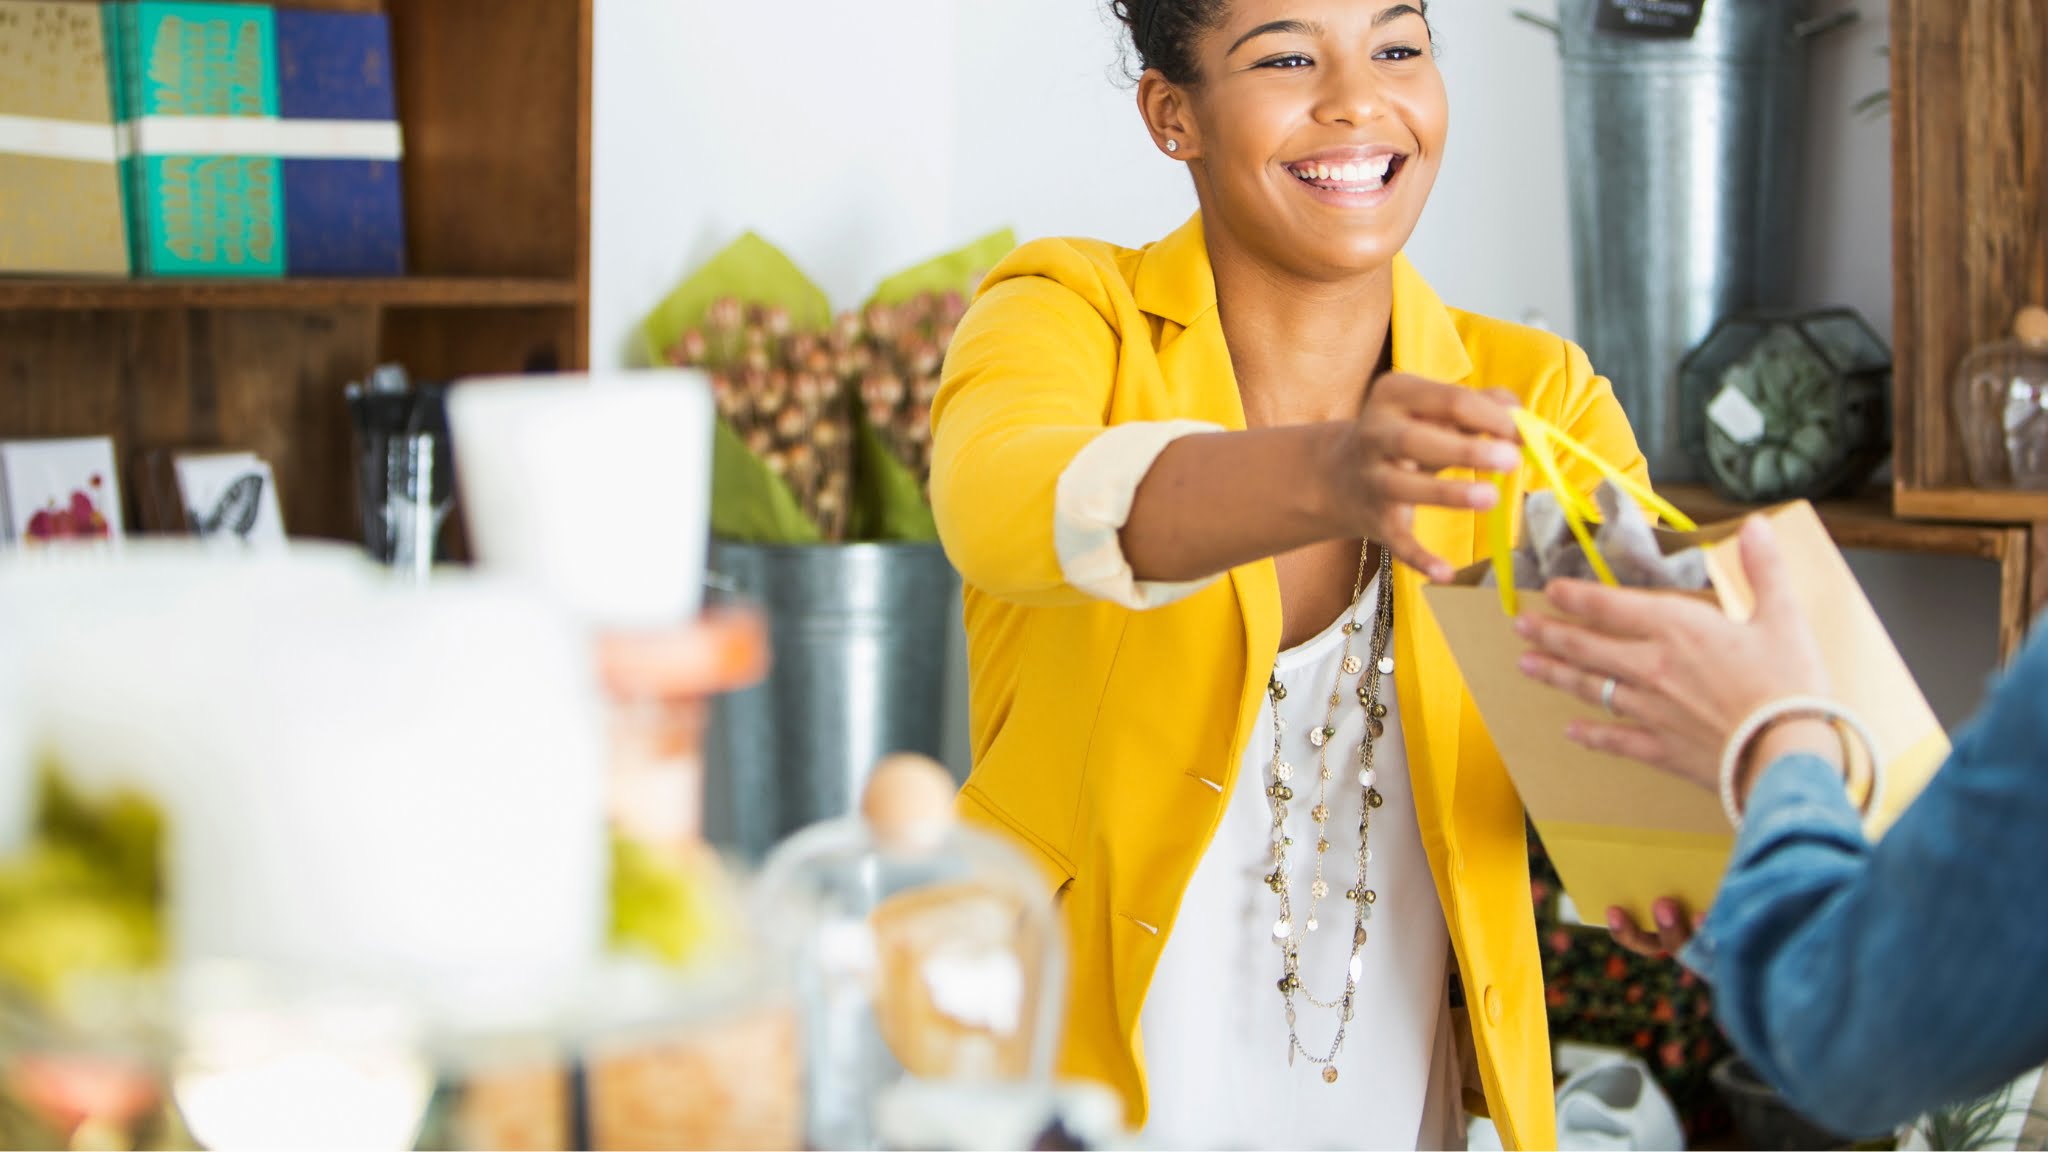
x,y
1173,145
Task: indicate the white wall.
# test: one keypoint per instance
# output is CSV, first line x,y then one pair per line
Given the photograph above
x,y
866,137
861,138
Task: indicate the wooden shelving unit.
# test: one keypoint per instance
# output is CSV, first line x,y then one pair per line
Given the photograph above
x,y
1969,249
494,100
1972,504
286,295
1970,238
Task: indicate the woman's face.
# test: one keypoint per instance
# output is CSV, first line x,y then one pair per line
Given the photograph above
x,y
1316,129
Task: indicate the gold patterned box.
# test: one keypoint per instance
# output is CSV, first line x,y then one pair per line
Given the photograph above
x,y
60,177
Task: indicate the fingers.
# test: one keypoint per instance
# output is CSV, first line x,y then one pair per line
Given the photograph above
x,y
1674,927
1621,612
1631,937
1434,447
1396,487
1673,930
1582,650
1408,550
1488,413
1769,578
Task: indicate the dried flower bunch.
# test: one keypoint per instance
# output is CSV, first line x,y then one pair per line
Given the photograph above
x,y
908,343
791,395
783,392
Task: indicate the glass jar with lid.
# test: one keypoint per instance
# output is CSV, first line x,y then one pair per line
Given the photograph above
x,y
926,954
2001,407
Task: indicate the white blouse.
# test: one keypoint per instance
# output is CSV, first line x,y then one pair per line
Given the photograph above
x,y
1214,1024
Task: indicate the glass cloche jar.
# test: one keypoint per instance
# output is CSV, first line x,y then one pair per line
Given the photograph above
x,y
2001,407
925,953
1787,407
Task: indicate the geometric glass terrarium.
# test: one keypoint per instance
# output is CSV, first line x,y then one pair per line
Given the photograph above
x,y
1787,407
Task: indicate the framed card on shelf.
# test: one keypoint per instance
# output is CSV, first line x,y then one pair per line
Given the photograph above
x,y
52,490
229,496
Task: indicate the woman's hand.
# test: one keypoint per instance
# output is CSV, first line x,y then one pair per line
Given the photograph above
x,y
1386,463
1673,928
1685,675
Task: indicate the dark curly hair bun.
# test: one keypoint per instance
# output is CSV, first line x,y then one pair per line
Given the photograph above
x,y
1163,33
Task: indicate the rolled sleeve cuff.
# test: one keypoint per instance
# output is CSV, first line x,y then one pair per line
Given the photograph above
x,y
1093,502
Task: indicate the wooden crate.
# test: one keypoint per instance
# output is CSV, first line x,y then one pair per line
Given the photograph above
x,y
1970,207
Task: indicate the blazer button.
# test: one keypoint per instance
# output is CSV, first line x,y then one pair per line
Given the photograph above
x,y
1491,997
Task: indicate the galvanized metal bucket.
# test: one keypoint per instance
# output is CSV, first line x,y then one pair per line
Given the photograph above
x,y
1685,174
861,635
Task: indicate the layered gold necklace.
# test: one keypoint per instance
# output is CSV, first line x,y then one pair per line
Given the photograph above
x,y
1280,792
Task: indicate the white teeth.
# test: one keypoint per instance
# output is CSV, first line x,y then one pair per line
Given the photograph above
x,y
1367,176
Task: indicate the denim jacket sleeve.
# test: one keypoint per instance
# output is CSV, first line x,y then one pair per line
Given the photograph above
x,y
1869,984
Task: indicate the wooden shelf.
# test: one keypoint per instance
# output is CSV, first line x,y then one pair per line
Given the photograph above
x,y
2008,507
1865,521
287,295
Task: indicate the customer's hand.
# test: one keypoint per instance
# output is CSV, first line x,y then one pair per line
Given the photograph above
x,y
1686,676
1386,463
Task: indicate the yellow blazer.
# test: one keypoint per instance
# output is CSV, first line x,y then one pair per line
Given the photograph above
x,y
1097,730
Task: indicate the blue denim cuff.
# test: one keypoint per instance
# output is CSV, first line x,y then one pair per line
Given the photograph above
x,y
1801,786
1797,795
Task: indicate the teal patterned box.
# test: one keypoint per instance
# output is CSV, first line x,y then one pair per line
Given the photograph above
x,y
198,103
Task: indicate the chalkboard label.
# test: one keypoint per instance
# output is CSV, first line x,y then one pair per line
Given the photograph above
x,y
1657,19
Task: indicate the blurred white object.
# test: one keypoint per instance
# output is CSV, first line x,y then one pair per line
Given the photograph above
x,y
362,779
927,1115
262,1067
596,490
1616,1105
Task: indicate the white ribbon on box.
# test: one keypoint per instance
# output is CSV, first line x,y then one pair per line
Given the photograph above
x,y
58,139
263,136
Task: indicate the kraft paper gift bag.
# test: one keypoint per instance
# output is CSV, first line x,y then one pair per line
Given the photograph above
x,y
1624,834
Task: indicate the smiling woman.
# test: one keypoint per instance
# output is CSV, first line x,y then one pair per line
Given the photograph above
x,y
1195,490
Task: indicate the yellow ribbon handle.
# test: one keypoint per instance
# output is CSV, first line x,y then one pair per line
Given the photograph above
x,y
1542,442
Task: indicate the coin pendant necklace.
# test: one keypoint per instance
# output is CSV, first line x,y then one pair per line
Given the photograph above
x,y
1287,933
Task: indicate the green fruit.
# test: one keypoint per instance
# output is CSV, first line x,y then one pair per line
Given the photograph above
x,y
660,907
84,896
45,943
122,834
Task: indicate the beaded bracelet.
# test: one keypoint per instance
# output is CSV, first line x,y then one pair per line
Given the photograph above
x,y
1845,723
